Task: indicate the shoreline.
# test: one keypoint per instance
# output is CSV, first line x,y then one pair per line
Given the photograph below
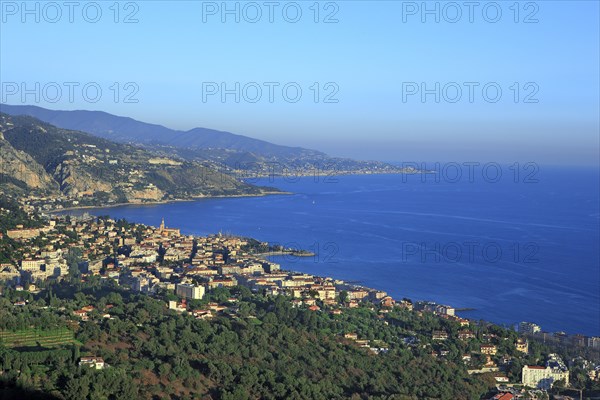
x,y
155,203
294,253
361,285
354,283
339,173
263,194
461,309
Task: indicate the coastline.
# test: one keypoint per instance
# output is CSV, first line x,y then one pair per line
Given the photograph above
x,y
352,283
464,308
340,173
263,194
294,253
154,203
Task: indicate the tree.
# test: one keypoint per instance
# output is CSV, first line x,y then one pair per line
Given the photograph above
x,y
73,260
76,354
343,296
77,388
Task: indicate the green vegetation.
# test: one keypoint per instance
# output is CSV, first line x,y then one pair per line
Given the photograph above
x,y
107,172
256,346
260,348
36,337
12,215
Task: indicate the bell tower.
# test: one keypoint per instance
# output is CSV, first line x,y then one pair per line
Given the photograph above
x,y
162,225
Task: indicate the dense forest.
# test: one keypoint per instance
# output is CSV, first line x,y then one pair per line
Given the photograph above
x,y
259,348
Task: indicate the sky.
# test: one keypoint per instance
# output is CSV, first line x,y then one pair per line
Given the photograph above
x,y
411,81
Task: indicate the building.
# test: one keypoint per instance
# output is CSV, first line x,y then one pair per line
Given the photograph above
x,y
166,232
173,305
142,283
444,310
226,282
32,265
271,267
503,396
22,233
543,377
578,340
406,304
529,328
466,334
229,269
9,273
357,294
522,345
489,349
83,314
593,342
190,291
387,301
427,306
94,362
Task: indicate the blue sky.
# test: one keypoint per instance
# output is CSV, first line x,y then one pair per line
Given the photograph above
x,y
373,58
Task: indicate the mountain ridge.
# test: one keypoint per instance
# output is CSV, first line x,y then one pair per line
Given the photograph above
x,y
40,159
127,129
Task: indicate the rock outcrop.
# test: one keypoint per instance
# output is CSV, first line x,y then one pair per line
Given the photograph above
x,y
22,167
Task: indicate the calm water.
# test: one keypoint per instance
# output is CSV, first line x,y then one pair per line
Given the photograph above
x,y
512,251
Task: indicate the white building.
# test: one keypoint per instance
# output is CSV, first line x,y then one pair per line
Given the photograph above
x,y
544,377
445,310
594,342
190,291
94,362
32,265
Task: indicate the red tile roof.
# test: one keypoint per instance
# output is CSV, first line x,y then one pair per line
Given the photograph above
x,y
503,396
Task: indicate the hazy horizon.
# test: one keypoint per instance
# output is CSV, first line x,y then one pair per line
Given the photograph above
x,y
379,80
426,161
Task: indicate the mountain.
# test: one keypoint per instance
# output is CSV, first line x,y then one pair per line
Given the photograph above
x,y
39,158
19,171
234,154
128,130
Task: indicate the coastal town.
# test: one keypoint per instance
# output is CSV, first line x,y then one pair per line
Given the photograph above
x,y
162,260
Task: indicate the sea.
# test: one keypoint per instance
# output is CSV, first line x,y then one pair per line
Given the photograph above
x,y
504,244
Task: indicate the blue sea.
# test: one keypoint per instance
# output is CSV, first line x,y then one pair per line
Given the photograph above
x,y
512,248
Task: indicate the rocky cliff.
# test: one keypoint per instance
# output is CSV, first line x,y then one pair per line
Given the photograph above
x,y
39,157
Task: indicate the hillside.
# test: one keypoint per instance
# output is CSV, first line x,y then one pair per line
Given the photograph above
x,y
258,348
124,129
19,171
232,152
41,158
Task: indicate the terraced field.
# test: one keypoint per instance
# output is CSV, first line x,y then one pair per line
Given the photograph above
x,y
36,337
